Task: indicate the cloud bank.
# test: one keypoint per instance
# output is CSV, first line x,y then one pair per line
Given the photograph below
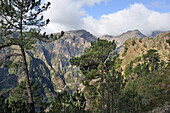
x,y
70,15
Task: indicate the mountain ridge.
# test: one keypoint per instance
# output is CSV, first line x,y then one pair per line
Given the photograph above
x,y
49,62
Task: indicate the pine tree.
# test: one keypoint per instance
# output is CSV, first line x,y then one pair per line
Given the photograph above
x,y
153,59
128,69
23,18
114,85
95,63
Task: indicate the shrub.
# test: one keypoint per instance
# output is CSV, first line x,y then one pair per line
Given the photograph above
x,y
144,45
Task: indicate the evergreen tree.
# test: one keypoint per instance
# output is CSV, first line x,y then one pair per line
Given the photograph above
x,y
168,41
94,59
140,40
137,69
153,59
22,18
114,85
128,69
94,64
133,42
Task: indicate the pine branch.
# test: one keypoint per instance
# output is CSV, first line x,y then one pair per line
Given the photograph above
x,y
7,45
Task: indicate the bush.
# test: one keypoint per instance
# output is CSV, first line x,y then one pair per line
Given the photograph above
x,y
133,42
144,45
140,40
125,50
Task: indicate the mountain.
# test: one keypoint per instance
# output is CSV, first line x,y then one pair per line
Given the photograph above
x,y
48,63
49,66
133,47
124,36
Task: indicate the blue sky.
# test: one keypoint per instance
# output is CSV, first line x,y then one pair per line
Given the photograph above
x,y
111,6
111,17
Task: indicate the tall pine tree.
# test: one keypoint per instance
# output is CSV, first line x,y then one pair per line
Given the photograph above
x,y
23,18
94,64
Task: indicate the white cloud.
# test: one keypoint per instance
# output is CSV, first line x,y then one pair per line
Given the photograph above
x,y
137,16
67,15
64,12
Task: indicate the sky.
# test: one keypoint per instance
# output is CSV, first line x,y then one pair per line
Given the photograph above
x,y
112,17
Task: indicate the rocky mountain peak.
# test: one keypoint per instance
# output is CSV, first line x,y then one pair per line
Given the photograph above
x,y
81,34
132,33
120,39
79,31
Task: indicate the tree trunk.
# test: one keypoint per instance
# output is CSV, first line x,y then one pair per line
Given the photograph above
x,y
28,86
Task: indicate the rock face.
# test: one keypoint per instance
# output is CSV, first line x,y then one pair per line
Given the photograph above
x,y
48,63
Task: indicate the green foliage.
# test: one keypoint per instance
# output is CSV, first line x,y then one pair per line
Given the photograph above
x,y
19,95
148,90
137,59
125,50
17,101
144,45
66,103
138,69
168,41
15,107
94,57
128,69
145,93
152,58
145,68
150,63
130,101
140,40
133,42
113,88
95,62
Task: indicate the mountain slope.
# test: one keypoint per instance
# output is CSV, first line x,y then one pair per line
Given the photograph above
x,y
48,63
137,47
